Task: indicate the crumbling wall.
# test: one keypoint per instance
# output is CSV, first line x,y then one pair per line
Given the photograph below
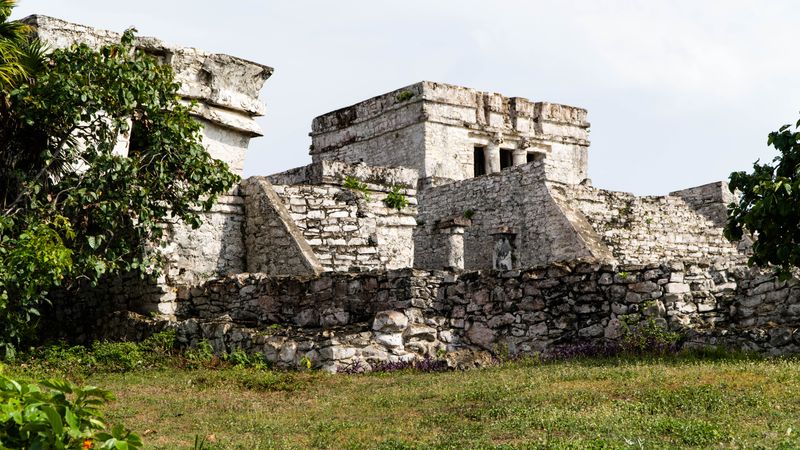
x,y
642,230
709,200
517,198
226,90
225,87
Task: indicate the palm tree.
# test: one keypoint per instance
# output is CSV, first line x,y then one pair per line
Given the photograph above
x,y
17,61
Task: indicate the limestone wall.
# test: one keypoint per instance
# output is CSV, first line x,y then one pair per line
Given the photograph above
x,y
214,249
434,128
309,222
649,229
517,198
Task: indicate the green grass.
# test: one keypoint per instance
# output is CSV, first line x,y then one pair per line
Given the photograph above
x,y
676,402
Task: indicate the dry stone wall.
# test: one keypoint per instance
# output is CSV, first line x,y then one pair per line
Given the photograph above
x,y
709,200
336,319
274,244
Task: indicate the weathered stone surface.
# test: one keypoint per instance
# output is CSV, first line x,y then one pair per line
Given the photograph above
x,y
481,335
390,322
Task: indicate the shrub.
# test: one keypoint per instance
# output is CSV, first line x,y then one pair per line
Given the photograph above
x,y
56,414
202,353
240,358
162,343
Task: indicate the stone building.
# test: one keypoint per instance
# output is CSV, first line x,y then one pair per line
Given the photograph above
x,y
500,242
518,170
452,133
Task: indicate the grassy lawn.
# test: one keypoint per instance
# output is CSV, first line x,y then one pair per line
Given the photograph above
x,y
674,402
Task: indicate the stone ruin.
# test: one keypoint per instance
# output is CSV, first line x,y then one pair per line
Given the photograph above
x,y
504,246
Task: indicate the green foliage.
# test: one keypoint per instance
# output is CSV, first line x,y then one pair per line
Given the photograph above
x,y
468,214
240,358
158,350
16,60
73,210
33,259
117,356
56,414
202,353
395,199
353,183
404,96
767,209
160,344
647,338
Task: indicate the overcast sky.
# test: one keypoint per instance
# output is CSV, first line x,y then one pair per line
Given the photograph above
x,y
679,93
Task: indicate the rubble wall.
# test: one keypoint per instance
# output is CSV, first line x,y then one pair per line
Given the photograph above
x,y
336,319
273,243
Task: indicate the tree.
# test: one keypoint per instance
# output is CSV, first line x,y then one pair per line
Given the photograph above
x,y
768,208
73,210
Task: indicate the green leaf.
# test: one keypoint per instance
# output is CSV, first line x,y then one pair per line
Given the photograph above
x,y
55,420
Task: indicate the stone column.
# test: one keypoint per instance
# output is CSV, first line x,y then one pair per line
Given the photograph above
x,y
453,230
503,257
520,156
492,154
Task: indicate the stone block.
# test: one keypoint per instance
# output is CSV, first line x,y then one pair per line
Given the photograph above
x,y
677,288
390,322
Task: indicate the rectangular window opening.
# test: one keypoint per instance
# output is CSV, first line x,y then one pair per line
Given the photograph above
x,y
479,161
506,158
533,156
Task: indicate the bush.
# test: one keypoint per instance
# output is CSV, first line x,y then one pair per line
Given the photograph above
x,y
56,414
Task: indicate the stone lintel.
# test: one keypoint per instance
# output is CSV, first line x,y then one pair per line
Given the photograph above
x,y
451,223
503,230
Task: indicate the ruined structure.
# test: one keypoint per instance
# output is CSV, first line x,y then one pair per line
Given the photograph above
x,y
434,220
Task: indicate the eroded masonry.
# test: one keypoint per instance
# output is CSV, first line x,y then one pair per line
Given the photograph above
x,y
433,221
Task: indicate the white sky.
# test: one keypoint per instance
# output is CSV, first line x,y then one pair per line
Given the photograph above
x,y
679,93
